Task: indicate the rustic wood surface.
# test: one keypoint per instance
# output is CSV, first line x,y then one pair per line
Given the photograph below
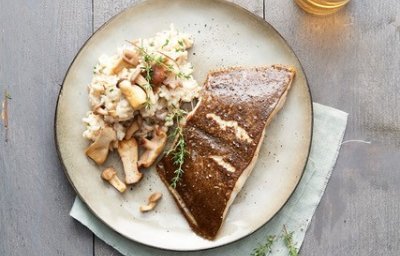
x,y
352,60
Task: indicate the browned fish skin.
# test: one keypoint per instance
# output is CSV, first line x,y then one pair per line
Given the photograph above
x,y
245,95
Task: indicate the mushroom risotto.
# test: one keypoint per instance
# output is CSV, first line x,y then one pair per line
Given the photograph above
x,y
135,91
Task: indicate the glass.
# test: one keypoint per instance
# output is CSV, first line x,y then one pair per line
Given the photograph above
x,y
321,7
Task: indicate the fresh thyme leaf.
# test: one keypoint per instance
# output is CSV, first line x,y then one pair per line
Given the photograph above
x,y
179,49
165,44
178,151
159,60
288,240
180,42
8,96
264,249
148,59
147,104
182,75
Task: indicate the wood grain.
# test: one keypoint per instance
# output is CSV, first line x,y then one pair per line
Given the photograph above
x,y
352,59
38,40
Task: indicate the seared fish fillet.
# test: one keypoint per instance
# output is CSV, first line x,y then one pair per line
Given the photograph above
x,y
223,136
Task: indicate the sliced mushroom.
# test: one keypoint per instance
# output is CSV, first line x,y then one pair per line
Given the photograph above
x,y
128,151
130,131
142,82
135,95
153,147
152,202
98,150
110,175
135,74
129,59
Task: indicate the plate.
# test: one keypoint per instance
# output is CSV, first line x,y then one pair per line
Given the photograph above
x,y
225,35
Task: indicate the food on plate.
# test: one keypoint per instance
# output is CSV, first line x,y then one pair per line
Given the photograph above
x,y
136,96
153,147
98,150
110,175
222,138
131,95
152,202
128,152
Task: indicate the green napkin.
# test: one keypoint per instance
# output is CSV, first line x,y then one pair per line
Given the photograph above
x,y
296,215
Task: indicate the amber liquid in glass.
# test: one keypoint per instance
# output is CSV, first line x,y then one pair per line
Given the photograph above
x,y
321,7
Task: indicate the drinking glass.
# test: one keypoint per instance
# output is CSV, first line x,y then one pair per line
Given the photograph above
x,y
321,7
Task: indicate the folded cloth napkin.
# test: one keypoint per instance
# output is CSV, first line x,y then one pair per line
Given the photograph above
x,y
329,128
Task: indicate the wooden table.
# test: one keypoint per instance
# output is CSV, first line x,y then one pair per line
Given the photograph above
x,y
352,60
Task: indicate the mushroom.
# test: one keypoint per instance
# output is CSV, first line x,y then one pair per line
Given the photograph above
x,y
152,202
135,95
142,82
153,147
135,74
99,109
128,151
130,131
98,150
129,59
158,75
110,175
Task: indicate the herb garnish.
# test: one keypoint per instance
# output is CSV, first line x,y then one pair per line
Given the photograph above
x,y
149,61
288,240
178,151
264,249
165,44
182,75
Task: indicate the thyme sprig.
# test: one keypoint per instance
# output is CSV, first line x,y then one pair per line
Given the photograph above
x,y
264,249
288,240
151,59
178,151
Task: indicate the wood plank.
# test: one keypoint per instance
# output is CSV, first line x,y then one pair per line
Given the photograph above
x,y
104,10
352,59
38,41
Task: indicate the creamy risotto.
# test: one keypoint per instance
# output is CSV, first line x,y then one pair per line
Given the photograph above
x,y
145,81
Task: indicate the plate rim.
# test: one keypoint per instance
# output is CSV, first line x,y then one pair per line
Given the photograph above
x,y
131,6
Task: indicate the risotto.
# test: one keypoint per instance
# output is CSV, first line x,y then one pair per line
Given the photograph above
x,y
146,80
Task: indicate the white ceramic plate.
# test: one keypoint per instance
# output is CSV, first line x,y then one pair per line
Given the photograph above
x,y
224,35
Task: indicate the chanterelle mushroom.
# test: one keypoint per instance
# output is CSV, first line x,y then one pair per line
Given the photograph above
x,y
152,202
128,151
135,95
153,147
98,150
110,175
129,59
